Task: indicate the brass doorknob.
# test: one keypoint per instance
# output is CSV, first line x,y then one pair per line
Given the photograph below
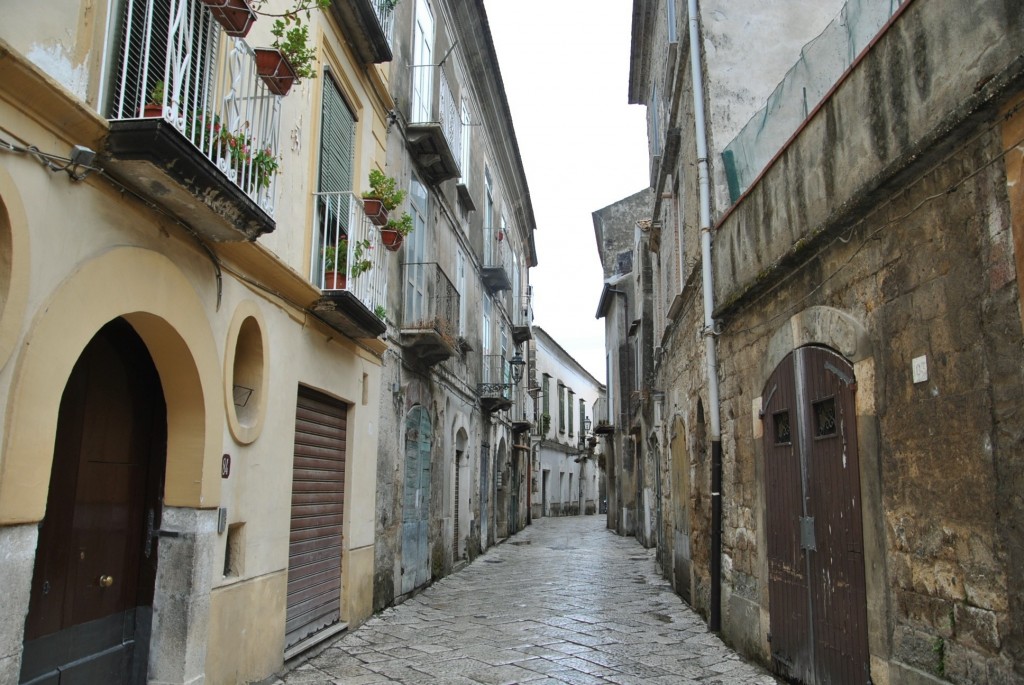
x,y
106,581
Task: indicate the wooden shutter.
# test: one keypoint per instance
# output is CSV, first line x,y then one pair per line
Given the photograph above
x,y
337,141
318,504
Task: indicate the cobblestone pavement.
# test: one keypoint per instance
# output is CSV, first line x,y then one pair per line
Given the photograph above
x,y
563,601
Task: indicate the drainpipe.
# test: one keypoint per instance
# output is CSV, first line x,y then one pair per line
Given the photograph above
x,y
715,618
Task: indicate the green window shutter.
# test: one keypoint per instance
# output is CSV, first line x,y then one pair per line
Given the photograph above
x,y
337,141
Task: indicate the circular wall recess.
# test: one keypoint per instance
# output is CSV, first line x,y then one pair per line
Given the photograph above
x,y
246,373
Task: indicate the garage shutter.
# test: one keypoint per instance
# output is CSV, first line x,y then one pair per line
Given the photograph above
x,y
318,503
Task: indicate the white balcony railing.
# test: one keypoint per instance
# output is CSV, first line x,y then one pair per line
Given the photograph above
x,y
350,255
385,11
441,109
210,90
497,250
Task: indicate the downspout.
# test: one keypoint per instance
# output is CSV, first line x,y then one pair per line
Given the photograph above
x,y
715,617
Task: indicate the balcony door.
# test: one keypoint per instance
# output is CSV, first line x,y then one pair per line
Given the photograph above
x,y
416,255
423,65
337,151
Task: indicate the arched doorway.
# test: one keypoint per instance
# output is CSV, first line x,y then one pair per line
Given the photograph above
x,y
416,502
462,489
815,542
91,600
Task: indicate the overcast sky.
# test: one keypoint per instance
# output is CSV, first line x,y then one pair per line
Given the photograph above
x,y
565,64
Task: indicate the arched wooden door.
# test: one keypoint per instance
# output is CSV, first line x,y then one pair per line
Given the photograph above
x,y
416,503
92,587
816,583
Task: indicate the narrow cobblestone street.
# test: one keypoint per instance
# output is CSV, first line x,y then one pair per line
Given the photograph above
x,y
564,601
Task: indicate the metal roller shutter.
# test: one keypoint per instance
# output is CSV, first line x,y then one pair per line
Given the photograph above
x,y
318,503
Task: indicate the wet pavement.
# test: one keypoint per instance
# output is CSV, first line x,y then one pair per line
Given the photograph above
x,y
563,601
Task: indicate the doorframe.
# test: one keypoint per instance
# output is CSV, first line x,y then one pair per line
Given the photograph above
x,y
179,340
846,335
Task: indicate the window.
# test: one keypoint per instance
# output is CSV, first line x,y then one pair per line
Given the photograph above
x,y
423,63
561,407
568,411
546,391
460,284
583,415
655,131
464,162
486,333
416,247
488,200
673,31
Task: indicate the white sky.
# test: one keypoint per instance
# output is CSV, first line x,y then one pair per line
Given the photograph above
x,y
565,64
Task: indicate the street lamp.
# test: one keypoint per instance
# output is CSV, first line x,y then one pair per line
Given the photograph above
x,y
586,424
517,364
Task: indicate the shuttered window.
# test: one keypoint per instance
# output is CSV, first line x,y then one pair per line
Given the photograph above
x,y
337,141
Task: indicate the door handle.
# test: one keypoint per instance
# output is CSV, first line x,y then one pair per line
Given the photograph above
x,y
106,581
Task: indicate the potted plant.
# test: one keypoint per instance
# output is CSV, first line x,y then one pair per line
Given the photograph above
x,y
336,266
382,197
290,58
155,105
393,233
236,16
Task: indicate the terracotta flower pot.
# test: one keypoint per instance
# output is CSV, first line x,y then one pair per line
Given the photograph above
x,y
334,280
374,209
234,15
392,239
275,70
153,111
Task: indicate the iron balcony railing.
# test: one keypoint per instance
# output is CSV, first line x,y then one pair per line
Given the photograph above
x,y
497,252
442,109
522,316
385,11
175,62
431,302
496,377
350,255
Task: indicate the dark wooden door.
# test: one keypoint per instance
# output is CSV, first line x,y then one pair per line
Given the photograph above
x,y
416,503
317,515
92,587
815,540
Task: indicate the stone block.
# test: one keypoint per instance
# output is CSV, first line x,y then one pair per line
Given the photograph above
x,y
977,628
17,560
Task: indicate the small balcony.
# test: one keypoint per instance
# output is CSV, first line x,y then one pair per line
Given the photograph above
x,y
430,323
349,267
521,412
602,422
192,127
496,270
368,26
522,317
495,390
434,132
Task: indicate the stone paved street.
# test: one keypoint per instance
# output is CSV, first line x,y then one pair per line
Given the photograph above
x,y
564,601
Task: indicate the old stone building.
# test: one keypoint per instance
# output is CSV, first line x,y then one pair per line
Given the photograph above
x,y
565,475
453,458
836,331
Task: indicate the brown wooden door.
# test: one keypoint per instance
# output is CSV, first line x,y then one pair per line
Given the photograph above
x,y
318,506
815,542
92,587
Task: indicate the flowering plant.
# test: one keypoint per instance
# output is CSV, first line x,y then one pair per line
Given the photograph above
x,y
337,257
207,131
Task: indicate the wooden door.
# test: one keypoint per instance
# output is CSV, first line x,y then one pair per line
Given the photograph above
x,y
816,581
416,503
317,516
92,587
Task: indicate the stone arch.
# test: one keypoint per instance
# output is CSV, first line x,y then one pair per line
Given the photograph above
x,y
825,326
14,265
157,299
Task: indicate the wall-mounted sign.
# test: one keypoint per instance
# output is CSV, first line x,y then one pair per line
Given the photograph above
x,y
225,466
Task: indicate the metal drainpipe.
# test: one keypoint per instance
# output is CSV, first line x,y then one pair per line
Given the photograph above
x,y
715,617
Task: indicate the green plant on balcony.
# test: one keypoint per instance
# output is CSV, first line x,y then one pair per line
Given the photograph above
x,y
336,257
380,312
402,225
545,423
291,36
384,188
237,147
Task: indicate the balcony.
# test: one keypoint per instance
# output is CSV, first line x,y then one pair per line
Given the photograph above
x,y
430,325
522,318
496,270
495,391
206,150
602,422
350,267
368,26
434,131
522,409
